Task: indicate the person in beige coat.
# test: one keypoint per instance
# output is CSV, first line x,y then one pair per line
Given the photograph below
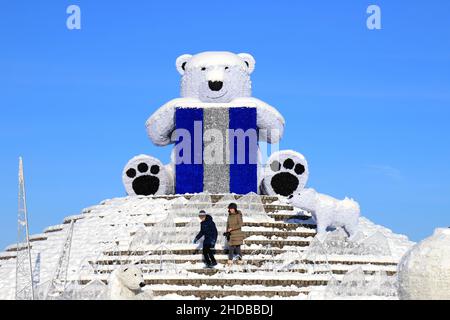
x,y
235,235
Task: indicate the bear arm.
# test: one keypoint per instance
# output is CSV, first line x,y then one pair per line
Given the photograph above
x,y
268,120
271,122
161,124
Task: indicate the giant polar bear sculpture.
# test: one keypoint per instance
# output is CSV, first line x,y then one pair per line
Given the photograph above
x,y
208,79
424,271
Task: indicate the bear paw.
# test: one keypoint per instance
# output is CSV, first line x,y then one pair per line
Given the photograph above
x,y
144,175
286,173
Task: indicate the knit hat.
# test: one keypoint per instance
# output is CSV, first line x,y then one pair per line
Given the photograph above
x,y
202,213
232,206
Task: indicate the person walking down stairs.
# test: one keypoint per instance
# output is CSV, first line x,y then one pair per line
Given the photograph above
x,y
234,234
209,231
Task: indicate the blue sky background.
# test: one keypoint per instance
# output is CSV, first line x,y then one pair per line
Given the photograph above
x,y
370,110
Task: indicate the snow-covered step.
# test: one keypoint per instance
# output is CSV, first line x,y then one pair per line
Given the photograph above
x,y
359,259
271,209
248,293
179,259
295,270
185,251
210,281
269,233
260,240
38,237
281,234
15,247
255,257
54,228
76,217
249,264
285,216
277,207
190,260
222,280
8,255
249,267
280,224
215,197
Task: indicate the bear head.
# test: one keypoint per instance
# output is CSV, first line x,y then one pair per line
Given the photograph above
x,y
131,277
305,199
215,77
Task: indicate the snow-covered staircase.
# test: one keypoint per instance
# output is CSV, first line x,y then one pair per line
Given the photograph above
x,y
280,254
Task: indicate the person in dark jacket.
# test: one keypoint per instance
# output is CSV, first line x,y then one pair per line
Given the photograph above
x,y
209,231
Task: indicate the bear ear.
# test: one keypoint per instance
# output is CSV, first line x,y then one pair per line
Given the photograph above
x,y
181,62
249,61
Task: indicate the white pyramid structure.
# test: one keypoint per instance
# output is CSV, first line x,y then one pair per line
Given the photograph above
x,y
282,257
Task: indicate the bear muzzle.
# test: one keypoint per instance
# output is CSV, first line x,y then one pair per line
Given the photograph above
x,y
215,85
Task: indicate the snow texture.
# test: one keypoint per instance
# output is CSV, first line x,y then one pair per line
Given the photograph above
x,y
103,234
356,283
424,271
328,211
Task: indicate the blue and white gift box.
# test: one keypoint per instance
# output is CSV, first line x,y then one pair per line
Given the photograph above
x,y
216,150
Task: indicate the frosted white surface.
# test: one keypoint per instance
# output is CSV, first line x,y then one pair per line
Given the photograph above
x,y
356,283
328,211
424,271
109,227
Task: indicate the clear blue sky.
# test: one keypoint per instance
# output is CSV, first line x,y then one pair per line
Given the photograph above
x,y
370,110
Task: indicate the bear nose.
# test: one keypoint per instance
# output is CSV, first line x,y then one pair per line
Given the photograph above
x,y
215,85
142,284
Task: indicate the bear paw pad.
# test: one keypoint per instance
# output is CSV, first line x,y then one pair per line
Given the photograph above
x,y
285,174
144,175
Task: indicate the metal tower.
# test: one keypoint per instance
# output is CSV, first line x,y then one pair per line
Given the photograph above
x,y
24,271
37,270
59,281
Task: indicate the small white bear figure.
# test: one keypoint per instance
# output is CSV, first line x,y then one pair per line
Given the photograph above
x,y
328,211
221,78
126,283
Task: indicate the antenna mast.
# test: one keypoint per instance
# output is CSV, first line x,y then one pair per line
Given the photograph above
x,y
24,271
59,281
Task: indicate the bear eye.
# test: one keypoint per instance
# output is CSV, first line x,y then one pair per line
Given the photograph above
x,y
226,68
204,68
